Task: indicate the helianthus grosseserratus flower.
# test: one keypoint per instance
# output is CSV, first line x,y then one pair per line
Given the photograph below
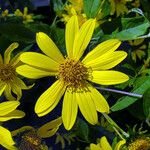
x,y
71,11
77,4
31,138
5,13
140,144
138,49
25,16
104,145
118,6
7,112
74,73
9,81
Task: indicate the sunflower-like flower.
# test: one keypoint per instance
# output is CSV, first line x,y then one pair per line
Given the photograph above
x,y
103,144
32,138
71,11
7,112
139,49
25,16
118,6
74,73
9,81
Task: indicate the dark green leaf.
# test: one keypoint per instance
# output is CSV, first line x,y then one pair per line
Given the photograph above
x,y
131,28
146,103
58,36
17,32
128,100
82,130
91,7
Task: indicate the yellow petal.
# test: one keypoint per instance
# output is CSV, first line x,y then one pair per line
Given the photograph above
x,y
83,38
69,110
21,84
16,89
48,47
95,147
108,61
8,51
2,87
119,144
6,139
109,77
8,94
15,60
12,115
106,47
7,107
21,130
87,107
72,29
100,102
49,99
39,61
50,128
104,144
33,73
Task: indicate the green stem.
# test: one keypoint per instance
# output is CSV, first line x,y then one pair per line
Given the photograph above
x,y
115,126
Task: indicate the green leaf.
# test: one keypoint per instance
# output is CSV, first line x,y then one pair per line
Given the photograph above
x,y
146,103
127,100
132,28
58,6
82,130
39,27
91,7
17,32
58,36
106,8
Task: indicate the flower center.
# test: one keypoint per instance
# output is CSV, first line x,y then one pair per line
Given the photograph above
x,y
74,74
30,140
140,144
7,72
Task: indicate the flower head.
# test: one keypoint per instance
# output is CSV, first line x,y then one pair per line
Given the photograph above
x,y
5,13
74,74
8,111
118,6
31,138
104,145
9,80
25,16
140,144
138,49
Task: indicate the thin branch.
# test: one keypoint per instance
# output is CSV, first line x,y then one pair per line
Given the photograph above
x,y
120,92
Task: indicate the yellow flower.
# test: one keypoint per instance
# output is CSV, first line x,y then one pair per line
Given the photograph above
x,y
138,49
104,145
140,144
118,6
71,11
5,13
9,81
77,4
136,3
74,73
7,112
26,17
31,137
